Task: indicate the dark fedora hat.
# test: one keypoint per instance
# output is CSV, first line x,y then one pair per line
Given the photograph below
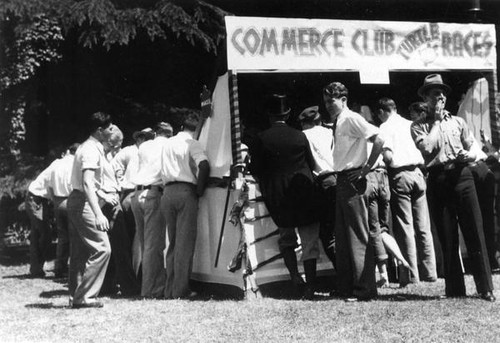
x,y
277,105
310,113
433,81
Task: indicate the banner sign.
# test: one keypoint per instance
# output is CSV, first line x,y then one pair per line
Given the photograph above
x,y
255,43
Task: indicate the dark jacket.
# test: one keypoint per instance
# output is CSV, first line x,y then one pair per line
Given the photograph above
x,y
282,160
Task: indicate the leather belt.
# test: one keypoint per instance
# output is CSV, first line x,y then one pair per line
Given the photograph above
x,y
411,167
179,183
142,187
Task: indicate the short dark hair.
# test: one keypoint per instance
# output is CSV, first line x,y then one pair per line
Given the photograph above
x,y
335,90
418,106
385,104
72,148
99,119
191,121
164,129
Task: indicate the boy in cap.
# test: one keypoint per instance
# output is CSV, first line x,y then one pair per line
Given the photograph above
x,y
445,142
321,143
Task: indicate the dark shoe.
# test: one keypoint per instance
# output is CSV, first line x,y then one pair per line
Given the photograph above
x,y
309,293
94,304
488,296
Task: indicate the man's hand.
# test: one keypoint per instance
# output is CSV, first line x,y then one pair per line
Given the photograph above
x,y
465,156
102,223
439,110
358,174
109,198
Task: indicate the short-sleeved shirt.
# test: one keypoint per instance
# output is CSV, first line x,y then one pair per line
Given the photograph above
x,y
60,176
109,181
321,143
351,137
454,136
126,164
180,158
89,155
40,186
396,133
149,171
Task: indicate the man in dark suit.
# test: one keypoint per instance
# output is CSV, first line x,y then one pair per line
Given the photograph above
x,y
282,161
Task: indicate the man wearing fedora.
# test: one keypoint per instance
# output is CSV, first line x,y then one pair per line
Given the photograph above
x,y
445,142
150,236
352,162
320,139
283,163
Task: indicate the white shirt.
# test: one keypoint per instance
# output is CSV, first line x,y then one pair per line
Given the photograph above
x,y
149,172
40,186
396,132
321,143
180,158
351,137
126,165
89,155
60,177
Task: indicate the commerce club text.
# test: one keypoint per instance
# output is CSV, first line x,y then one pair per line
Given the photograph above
x,y
366,42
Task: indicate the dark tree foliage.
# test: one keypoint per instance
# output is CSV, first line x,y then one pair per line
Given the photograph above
x,y
32,32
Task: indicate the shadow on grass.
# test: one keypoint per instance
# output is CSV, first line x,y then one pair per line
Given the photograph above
x,y
54,293
406,297
13,257
22,277
46,306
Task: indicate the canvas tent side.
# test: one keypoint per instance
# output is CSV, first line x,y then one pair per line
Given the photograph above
x,y
374,49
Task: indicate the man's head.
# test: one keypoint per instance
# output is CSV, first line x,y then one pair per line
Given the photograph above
x,y
143,135
384,108
114,142
335,98
309,117
418,110
434,91
164,129
191,121
100,126
72,148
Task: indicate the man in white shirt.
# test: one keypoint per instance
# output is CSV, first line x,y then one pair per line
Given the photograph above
x,y
185,171
412,227
149,241
120,277
321,142
60,183
354,246
90,248
126,164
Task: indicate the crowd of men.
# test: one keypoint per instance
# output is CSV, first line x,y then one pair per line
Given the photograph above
x,y
364,192
122,209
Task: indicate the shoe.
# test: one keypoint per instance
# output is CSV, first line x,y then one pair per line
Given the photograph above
x,y
488,296
358,299
94,304
308,293
495,271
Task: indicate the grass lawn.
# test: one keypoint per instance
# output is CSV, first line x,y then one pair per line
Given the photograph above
x,y
36,310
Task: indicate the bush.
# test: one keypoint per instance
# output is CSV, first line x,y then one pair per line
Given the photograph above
x,y
15,176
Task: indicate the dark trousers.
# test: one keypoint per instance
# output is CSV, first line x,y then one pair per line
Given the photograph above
x,y
354,246
120,271
40,238
452,196
126,202
328,194
484,180
62,250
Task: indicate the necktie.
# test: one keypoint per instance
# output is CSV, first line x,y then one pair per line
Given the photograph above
x,y
333,127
